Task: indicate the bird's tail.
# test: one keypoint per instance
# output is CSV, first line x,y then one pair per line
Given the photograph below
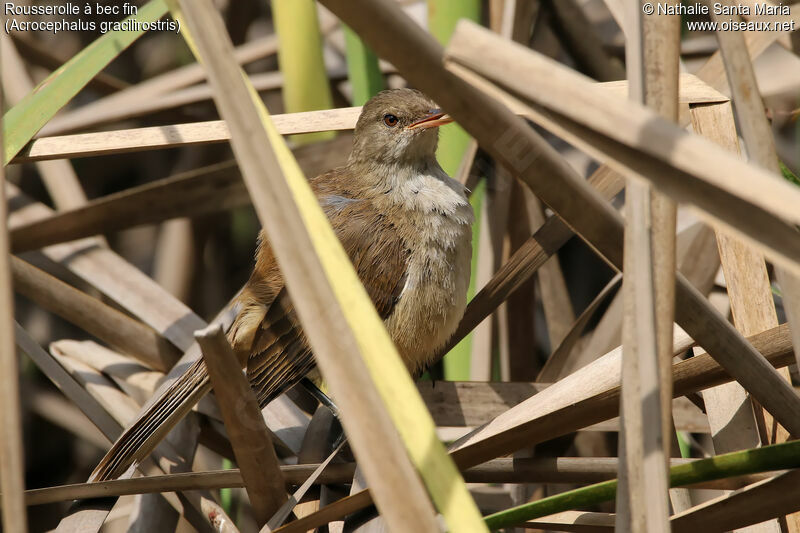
x,y
152,426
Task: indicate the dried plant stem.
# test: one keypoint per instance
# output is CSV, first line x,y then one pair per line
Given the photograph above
x,y
93,316
505,136
535,470
648,291
12,461
248,433
528,258
702,165
114,277
755,504
117,105
754,307
757,460
214,131
59,177
586,397
693,91
694,312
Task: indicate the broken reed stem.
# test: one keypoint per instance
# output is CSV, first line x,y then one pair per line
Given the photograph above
x,y
247,431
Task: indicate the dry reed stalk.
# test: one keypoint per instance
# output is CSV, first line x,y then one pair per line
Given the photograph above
x,y
283,513
693,312
316,447
93,316
187,194
539,470
172,455
528,258
584,396
264,81
713,71
582,42
576,521
760,145
282,415
494,335
58,176
135,380
661,49
114,277
754,504
174,258
110,107
678,163
517,314
493,220
648,291
729,407
556,303
699,262
471,404
159,137
65,188
560,362
692,90
753,308
87,517
12,461
506,137
249,437
401,495
114,401
73,391
588,396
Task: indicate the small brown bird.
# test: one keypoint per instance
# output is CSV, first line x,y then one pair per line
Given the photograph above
x,y
406,226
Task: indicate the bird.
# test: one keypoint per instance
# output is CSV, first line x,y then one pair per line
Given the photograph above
x,y
406,226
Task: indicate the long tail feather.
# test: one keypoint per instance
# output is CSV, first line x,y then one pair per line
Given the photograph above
x,y
151,427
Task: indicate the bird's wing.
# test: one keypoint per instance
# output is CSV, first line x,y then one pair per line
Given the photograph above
x,y
280,355
267,330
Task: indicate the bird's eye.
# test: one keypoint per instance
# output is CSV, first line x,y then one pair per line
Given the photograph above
x,y
390,120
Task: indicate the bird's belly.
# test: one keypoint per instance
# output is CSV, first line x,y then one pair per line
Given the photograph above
x,y
434,297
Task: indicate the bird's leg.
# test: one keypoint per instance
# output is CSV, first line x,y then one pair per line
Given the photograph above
x,y
323,398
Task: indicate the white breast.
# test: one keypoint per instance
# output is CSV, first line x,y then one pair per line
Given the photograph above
x,y
439,236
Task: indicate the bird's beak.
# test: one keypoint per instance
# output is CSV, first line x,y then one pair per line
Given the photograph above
x,y
431,121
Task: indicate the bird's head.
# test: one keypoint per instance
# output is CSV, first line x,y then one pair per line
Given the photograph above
x,y
396,127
